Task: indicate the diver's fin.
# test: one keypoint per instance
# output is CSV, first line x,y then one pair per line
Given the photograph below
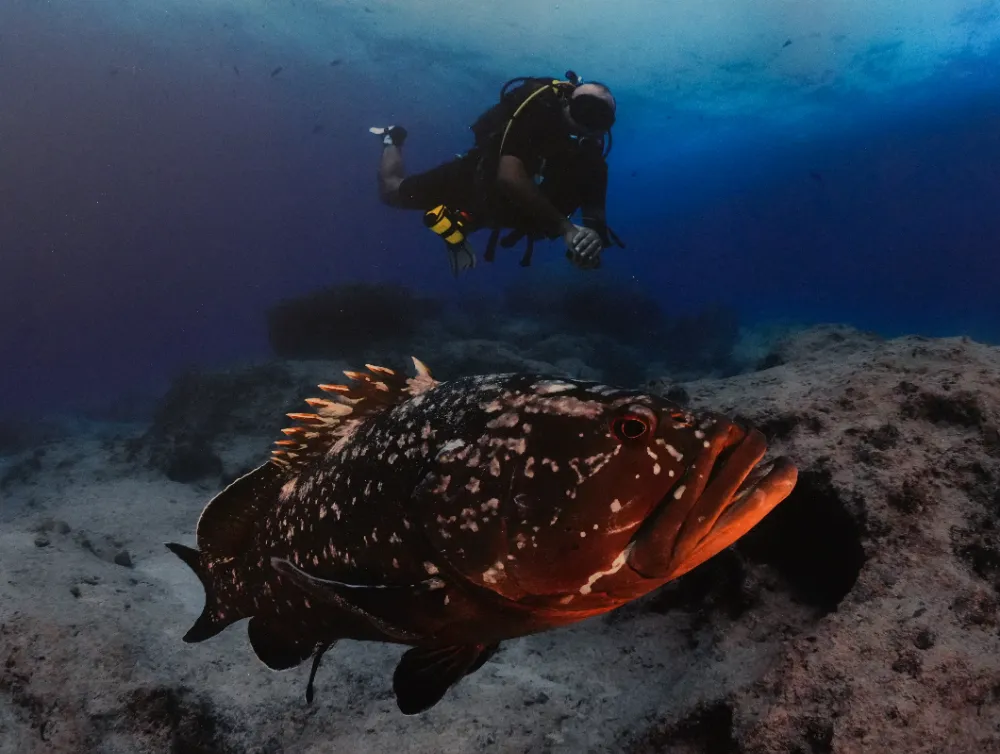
x,y
391,135
216,615
424,675
276,649
229,517
320,651
461,257
335,592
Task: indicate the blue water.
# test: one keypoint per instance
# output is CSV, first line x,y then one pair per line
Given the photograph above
x,y
161,185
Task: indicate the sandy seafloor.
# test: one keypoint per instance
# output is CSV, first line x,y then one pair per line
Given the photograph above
x,y
861,616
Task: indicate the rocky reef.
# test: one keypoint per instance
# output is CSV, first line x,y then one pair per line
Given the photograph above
x,y
862,615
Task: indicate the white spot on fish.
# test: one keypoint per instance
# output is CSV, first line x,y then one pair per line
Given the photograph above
x,y
430,568
616,566
507,420
548,387
288,489
615,506
572,407
452,445
679,493
625,527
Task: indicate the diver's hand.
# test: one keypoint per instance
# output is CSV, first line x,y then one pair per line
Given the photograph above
x,y
583,247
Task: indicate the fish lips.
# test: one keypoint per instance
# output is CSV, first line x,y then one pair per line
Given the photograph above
x,y
723,496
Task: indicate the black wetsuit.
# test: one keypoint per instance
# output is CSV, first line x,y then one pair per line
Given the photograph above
x,y
573,171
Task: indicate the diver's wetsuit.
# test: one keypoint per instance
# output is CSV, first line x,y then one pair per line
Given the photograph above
x,y
573,170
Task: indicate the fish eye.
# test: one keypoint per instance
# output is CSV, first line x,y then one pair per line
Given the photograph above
x,y
633,424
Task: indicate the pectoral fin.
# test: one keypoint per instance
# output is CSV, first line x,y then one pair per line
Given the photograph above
x,y
274,648
424,675
337,593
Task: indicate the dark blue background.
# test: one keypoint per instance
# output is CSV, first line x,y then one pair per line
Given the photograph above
x,y
149,215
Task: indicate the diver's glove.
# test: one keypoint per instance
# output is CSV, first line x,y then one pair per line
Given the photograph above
x,y
601,228
583,247
391,135
461,257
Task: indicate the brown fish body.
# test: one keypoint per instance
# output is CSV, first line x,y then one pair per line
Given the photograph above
x,y
453,516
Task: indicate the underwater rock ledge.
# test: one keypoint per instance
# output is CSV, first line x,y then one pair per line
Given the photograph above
x,y
862,615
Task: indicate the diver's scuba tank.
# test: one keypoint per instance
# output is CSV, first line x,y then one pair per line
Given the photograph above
x,y
446,223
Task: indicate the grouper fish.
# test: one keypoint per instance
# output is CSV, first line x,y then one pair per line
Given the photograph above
x,y
452,516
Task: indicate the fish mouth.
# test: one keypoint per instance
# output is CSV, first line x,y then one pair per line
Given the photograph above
x,y
724,495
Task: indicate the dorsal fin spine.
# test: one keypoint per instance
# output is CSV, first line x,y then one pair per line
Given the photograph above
x,y
335,417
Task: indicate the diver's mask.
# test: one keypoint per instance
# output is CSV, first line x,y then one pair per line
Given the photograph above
x,y
591,113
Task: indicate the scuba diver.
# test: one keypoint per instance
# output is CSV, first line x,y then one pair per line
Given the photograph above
x,y
539,156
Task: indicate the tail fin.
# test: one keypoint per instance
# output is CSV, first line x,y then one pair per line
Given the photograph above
x,y
220,609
